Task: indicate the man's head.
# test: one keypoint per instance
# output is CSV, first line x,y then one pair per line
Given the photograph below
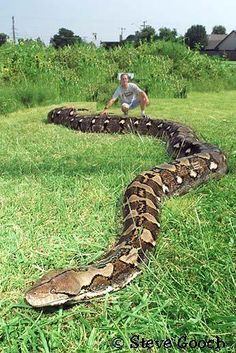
x,y
124,80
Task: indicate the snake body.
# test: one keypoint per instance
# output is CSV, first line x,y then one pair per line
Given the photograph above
x,y
194,163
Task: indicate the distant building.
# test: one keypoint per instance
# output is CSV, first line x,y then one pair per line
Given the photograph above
x,y
108,45
222,45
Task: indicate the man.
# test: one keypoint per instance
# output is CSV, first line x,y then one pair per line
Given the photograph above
x,y
130,96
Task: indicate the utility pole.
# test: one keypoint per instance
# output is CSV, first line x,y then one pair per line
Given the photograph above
x,y
121,34
144,24
13,30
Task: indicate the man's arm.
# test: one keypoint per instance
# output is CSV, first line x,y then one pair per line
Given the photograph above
x,y
108,105
140,93
143,96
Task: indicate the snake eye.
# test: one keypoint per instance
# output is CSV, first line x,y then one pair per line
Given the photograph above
x,y
53,290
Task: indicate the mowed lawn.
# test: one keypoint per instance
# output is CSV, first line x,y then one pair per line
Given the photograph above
x,y
60,206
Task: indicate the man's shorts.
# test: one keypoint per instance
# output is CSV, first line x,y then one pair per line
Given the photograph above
x,y
135,102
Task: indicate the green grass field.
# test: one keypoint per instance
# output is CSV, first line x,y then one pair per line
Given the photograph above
x,y
61,196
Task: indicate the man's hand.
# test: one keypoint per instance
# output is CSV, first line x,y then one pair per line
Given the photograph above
x,y
108,105
104,112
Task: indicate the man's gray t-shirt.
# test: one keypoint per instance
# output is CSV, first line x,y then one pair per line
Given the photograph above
x,y
127,95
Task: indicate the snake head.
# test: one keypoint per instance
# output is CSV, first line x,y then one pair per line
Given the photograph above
x,y
55,288
68,286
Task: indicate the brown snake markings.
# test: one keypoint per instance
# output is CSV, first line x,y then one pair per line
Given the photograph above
x,y
195,162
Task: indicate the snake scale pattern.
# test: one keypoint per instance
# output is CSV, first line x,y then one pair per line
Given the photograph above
x,y
194,163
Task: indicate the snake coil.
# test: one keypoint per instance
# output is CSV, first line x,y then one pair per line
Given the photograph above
x,y
194,163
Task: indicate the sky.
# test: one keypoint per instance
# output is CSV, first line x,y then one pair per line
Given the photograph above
x,y
108,18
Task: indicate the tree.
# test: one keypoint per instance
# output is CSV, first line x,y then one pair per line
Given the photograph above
x,y
167,33
63,38
130,38
3,38
30,41
218,30
196,36
145,35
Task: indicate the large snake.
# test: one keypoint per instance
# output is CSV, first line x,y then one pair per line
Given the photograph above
x,y
195,162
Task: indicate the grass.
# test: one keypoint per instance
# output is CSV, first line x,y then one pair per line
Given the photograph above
x,y
61,197
231,62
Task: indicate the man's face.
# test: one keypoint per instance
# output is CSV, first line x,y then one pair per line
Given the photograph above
x,y
124,81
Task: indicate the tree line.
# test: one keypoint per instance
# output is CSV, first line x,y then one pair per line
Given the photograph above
x,y
195,36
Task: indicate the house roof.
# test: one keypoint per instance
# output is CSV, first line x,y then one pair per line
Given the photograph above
x,y
110,44
232,33
214,40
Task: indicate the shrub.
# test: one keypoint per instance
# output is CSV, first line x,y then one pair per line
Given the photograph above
x,y
35,74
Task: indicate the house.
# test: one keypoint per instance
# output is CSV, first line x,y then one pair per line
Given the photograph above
x,y
109,45
222,45
213,40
